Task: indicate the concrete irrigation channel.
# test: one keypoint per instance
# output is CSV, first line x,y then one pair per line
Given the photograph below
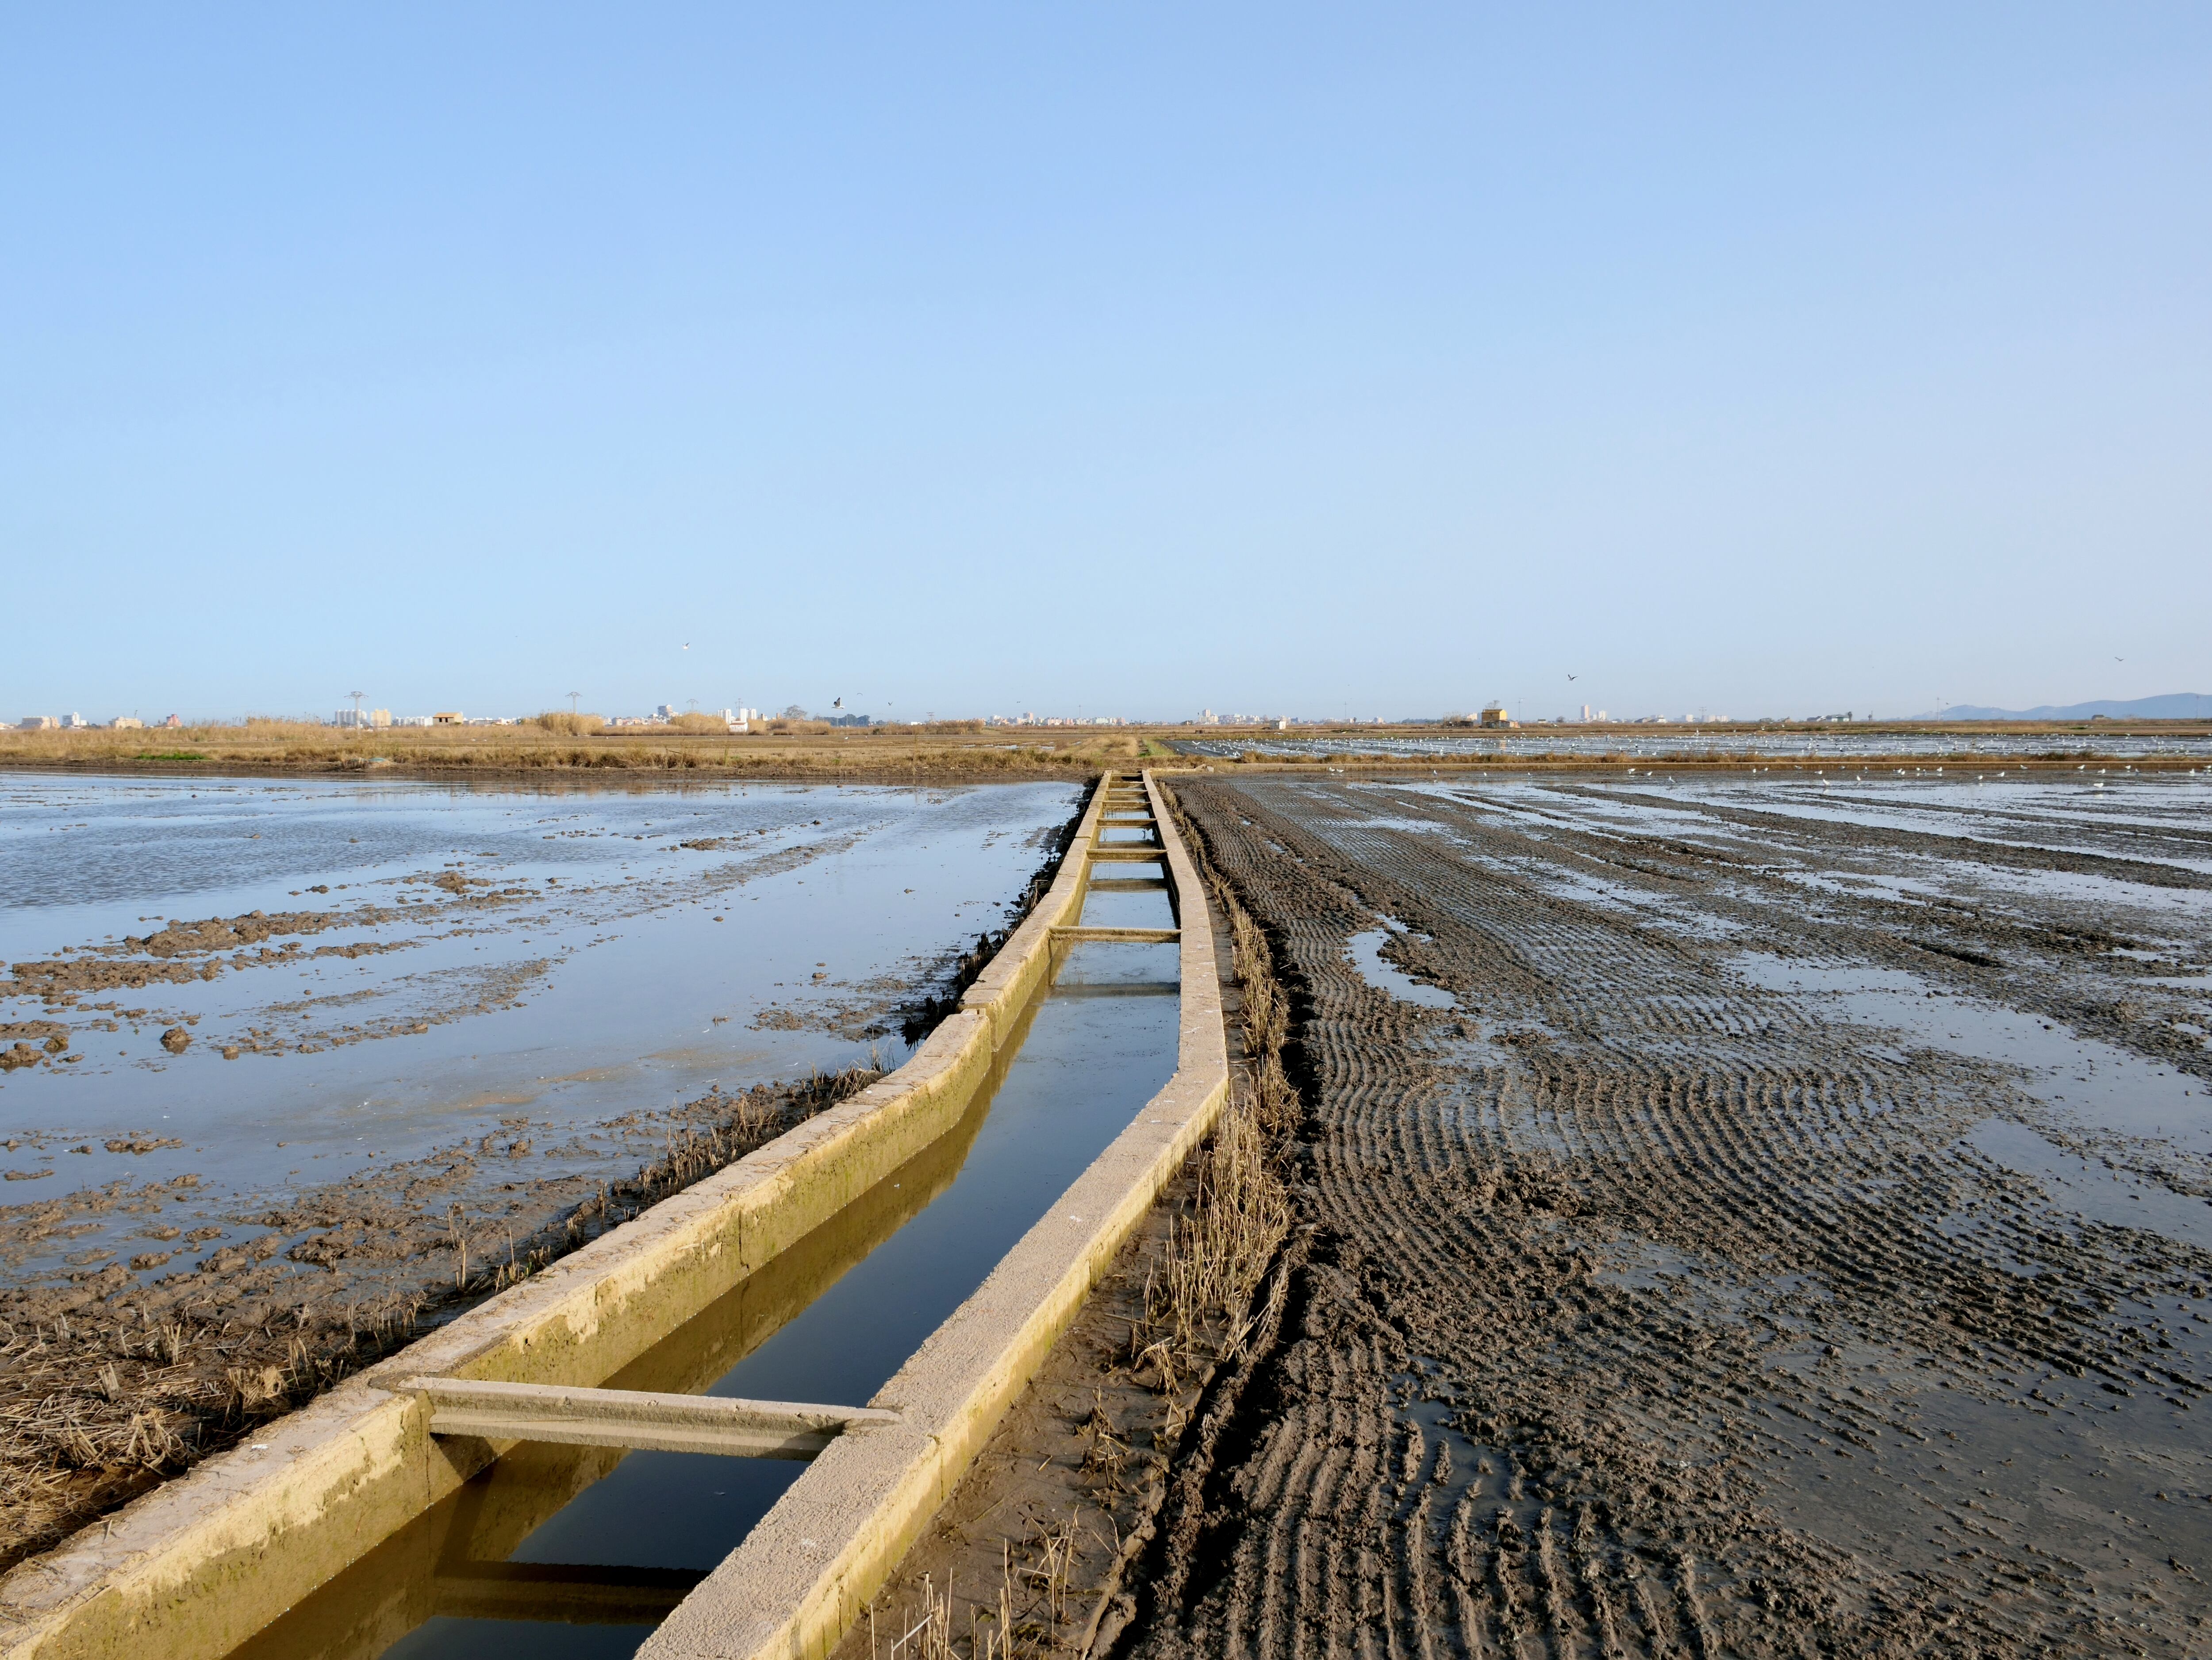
x,y
725,1420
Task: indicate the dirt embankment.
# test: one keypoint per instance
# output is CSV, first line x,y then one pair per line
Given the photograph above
x,y
1650,1310
874,755
108,1386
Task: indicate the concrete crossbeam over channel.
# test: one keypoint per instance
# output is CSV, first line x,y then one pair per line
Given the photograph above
x,y
639,1419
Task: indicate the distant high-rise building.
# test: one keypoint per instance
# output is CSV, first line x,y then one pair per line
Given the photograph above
x,y
1586,715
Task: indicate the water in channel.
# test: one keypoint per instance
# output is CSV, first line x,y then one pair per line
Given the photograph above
x,y
574,1551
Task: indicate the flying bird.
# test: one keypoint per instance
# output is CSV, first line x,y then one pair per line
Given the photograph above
x,y
1574,677
837,702
687,645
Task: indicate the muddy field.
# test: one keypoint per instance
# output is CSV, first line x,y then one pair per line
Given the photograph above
x,y
349,1077
1743,1217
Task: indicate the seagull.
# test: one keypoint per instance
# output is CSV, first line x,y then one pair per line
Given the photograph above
x,y
837,702
687,645
1574,677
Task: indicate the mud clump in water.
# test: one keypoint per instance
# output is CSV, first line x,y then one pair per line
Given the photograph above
x,y
176,1040
185,951
1692,1321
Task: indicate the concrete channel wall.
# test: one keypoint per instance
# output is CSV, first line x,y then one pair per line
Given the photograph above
x,y
808,1570
196,1566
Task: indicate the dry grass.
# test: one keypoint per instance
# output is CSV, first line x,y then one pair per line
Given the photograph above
x,y
568,724
558,743
1028,1612
1219,1251
1199,1306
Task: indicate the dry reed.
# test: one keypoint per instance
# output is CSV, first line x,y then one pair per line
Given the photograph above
x,y
1199,1302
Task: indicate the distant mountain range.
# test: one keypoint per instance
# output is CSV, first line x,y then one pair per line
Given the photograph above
x,y
2174,706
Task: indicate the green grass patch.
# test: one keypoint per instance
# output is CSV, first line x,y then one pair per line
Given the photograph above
x,y
169,754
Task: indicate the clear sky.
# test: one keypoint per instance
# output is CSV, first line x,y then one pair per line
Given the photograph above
x,y
965,358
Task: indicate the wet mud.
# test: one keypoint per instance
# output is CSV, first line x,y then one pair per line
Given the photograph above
x,y
1791,1239
119,1377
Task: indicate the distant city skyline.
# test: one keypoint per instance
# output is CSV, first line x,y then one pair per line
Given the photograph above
x,y
1126,358
2173,706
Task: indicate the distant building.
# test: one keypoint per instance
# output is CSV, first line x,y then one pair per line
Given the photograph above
x,y
364,718
664,711
448,718
75,723
1586,714
1493,714
414,720
127,723
173,721
855,721
39,723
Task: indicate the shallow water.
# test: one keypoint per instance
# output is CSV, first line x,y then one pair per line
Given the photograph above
x,y
1129,894
1387,976
2084,1083
830,1321
590,964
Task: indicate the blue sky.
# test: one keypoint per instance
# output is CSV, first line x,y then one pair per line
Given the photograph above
x,y
1129,359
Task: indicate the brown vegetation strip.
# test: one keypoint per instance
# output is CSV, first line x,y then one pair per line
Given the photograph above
x,y
950,752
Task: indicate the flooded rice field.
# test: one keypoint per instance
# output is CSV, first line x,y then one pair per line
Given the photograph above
x,y
575,1552
286,1067
1841,746
354,977
1753,1217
